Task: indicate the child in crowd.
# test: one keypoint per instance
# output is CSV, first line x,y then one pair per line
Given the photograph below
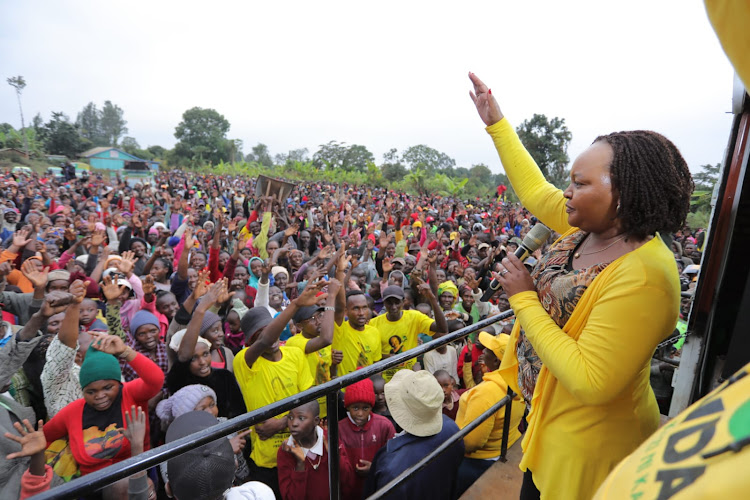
x,y
198,397
88,319
452,396
303,458
362,432
381,407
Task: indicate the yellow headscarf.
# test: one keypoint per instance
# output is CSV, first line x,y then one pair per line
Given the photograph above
x,y
448,286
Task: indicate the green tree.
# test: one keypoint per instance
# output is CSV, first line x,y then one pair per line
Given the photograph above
x,y
427,158
294,156
337,155
392,168
88,122
18,83
260,154
156,151
358,158
482,173
112,124
453,187
706,179
547,141
201,135
417,179
61,137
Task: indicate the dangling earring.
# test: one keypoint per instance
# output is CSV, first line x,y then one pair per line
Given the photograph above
x,y
618,207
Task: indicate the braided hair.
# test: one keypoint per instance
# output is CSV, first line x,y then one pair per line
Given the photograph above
x,y
653,181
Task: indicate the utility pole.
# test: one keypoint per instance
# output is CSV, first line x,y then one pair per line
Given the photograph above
x,y
19,84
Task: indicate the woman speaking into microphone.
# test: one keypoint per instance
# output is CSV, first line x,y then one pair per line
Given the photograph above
x,y
594,308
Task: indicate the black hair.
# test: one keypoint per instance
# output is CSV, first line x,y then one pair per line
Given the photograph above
x,y
653,182
353,293
311,406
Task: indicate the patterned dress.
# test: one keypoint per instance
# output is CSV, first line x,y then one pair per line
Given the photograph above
x,y
559,288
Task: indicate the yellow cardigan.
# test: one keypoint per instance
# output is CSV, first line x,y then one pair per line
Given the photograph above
x,y
592,404
485,441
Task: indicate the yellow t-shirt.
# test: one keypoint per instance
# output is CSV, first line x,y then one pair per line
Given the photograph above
x,y
267,382
400,336
319,363
360,348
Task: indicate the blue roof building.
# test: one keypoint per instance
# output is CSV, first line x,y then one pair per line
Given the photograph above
x,y
109,158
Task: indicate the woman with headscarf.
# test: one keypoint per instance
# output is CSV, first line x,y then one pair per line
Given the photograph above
x,y
93,424
193,364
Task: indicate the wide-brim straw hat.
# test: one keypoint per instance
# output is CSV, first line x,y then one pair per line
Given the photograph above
x,y
415,400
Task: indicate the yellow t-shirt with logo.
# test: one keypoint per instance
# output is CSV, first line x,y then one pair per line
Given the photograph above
x,y
360,348
319,363
400,336
267,382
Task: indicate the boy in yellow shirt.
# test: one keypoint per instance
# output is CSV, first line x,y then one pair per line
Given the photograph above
x,y
267,373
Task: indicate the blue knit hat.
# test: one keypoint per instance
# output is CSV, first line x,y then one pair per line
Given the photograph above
x,y
98,365
142,318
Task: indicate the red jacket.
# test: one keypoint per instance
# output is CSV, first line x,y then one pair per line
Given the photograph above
x,y
68,421
312,484
362,443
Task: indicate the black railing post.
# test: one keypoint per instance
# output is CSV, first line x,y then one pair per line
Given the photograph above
x,y
332,404
506,426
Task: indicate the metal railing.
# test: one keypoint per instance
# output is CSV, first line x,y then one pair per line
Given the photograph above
x,y
96,480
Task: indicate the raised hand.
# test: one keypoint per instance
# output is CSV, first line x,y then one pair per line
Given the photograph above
x,y
291,230
149,288
98,238
20,238
38,278
308,296
111,344
55,302
31,441
5,269
224,294
334,286
78,290
135,426
387,265
126,263
487,106
426,291
112,291
326,252
201,286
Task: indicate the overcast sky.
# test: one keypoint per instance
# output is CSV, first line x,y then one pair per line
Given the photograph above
x,y
386,74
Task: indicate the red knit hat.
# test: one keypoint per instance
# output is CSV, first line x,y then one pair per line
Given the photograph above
x,y
361,392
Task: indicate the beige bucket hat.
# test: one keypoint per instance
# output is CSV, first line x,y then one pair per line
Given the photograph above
x,y
415,400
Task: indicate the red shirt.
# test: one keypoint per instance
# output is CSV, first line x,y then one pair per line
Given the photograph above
x,y
312,484
68,421
362,443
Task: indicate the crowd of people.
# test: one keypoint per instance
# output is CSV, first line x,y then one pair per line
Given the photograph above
x,y
133,316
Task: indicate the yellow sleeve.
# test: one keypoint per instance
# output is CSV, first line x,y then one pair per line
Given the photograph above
x,y
468,375
399,235
619,337
476,405
540,197
260,241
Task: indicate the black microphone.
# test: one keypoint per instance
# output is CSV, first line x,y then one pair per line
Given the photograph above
x,y
531,242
